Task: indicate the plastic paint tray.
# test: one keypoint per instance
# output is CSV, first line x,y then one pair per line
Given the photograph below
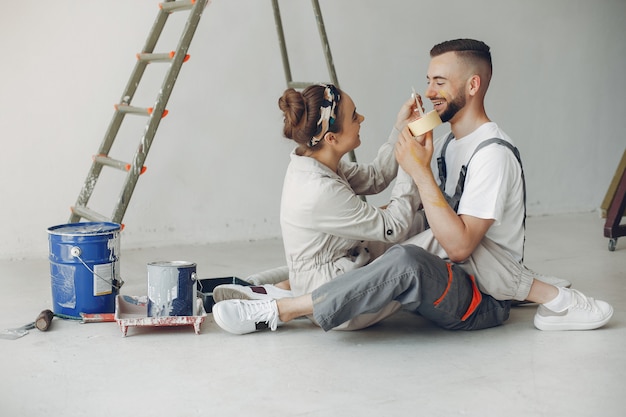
x,y
206,287
133,311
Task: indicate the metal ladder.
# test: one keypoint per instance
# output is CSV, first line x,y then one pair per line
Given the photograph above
x,y
325,46
136,167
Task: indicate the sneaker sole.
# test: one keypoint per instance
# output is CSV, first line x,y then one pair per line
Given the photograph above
x,y
224,292
546,325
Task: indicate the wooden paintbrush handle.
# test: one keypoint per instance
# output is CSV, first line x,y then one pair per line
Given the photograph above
x,y
43,320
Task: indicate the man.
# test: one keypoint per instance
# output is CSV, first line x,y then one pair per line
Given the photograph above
x,y
463,271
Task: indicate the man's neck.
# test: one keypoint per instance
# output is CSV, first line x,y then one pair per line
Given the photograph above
x,y
467,120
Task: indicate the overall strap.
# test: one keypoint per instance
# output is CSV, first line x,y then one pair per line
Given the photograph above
x,y
456,198
441,164
461,184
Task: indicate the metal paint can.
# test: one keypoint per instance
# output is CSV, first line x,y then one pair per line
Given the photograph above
x,y
171,288
84,267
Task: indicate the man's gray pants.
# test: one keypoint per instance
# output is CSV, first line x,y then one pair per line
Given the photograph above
x,y
420,281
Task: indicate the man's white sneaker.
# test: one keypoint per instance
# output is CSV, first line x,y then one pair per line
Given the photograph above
x,y
584,313
254,292
246,316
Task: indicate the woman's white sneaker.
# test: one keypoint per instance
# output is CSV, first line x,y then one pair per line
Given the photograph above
x,y
254,292
584,313
246,316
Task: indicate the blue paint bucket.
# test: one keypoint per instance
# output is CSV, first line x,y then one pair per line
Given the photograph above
x,y
172,287
84,267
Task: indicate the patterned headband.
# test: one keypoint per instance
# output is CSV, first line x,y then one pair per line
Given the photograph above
x,y
327,113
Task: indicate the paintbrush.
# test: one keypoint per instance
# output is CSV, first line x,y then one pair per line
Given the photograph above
x,y
417,103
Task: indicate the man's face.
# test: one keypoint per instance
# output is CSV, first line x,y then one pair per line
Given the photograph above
x,y
446,86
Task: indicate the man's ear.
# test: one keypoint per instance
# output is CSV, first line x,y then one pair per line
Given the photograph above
x,y
473,84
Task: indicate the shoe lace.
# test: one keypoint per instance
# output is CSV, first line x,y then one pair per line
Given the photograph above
x,y
582,302
260,311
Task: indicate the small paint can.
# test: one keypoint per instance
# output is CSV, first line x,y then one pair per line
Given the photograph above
x,y
172,288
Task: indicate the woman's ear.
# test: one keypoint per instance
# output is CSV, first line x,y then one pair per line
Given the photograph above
x,y
330,138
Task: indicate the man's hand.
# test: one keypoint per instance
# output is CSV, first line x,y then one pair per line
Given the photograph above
x,y
414,153
459,235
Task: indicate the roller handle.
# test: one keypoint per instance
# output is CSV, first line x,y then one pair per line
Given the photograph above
x,y
44,319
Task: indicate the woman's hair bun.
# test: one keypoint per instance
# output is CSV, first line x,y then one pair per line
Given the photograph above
x,y
292,105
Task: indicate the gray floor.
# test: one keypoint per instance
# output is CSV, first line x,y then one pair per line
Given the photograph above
x,y
403,366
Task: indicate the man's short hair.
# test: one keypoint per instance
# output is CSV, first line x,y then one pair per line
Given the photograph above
x,y
473,51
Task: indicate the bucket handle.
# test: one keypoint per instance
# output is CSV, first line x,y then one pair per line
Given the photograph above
x,y
76,252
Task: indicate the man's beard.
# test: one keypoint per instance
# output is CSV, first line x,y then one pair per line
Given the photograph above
x,y
452,108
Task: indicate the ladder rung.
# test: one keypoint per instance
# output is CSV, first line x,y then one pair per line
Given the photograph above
x,y
108,161
298,84
89,214
105,160
125,108
176,6
161,57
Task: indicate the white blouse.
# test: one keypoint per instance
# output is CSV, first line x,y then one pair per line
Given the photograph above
x,y
327,229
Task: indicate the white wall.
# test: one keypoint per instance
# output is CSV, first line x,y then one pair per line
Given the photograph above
x,y
215,169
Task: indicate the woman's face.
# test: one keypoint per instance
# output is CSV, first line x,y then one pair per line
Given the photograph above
x,y
350,123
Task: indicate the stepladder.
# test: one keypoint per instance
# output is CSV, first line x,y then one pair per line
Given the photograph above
x,y
153,114
321,28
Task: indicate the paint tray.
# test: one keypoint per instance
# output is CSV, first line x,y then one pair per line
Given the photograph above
x,y
132,311
206,287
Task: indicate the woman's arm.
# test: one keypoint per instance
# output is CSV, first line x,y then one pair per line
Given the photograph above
x,y
375,177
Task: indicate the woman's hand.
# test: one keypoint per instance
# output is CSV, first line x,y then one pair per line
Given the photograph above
x,y
408,112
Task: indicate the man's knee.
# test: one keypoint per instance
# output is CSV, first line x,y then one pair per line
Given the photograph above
x,y
407,254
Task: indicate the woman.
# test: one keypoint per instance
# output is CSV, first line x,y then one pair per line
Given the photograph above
x,y
327,228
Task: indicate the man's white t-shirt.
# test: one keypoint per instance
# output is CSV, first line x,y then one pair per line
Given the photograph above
x,y
493,185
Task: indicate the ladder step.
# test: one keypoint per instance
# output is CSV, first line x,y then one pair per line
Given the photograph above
x,y
298,84
89,214
162,57
123,166
176,6
125,108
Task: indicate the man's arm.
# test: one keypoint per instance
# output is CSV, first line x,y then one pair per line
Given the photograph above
x,y
458,235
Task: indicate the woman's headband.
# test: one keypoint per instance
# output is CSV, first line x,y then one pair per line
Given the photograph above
x,y
327,113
